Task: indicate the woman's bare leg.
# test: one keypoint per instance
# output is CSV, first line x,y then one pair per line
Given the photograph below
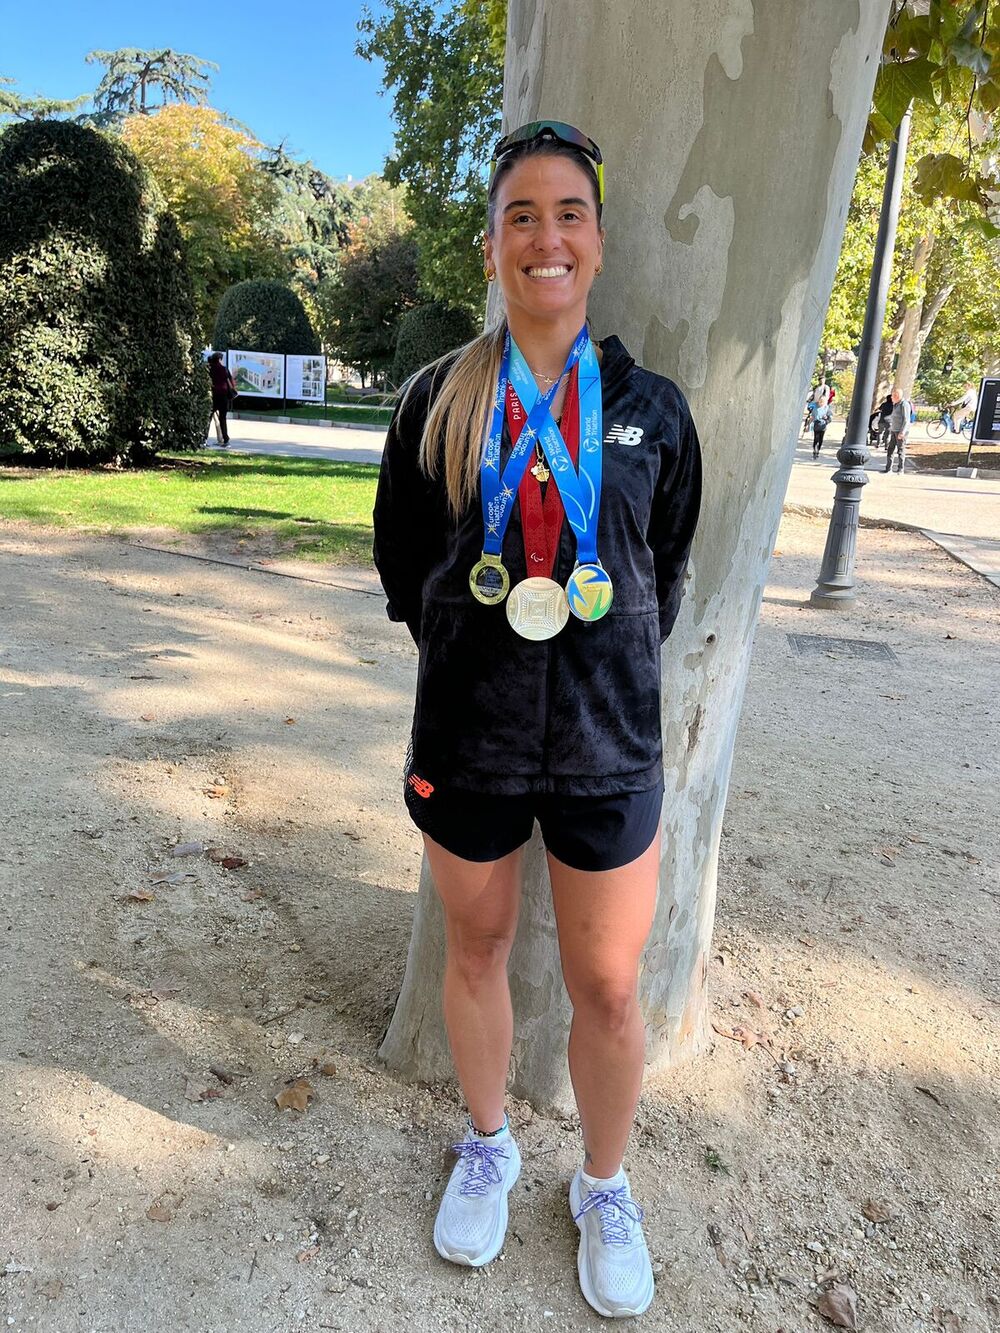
x,y
603,918
481,901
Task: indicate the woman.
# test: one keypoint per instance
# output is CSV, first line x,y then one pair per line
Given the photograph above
x,y
534,701
223,392
821,415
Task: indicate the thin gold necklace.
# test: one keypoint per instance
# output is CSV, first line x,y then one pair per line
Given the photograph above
x,y
547,380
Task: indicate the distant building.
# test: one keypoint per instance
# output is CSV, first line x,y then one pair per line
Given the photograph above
x,y
263,378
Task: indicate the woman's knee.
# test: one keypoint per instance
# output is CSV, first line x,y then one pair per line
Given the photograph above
x,y
607,1001
479,955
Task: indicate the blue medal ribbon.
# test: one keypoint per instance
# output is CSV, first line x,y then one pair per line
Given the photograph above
x,y
497,489
580,490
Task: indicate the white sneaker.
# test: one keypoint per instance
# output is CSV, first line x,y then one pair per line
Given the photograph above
x,y
616,1276
472,1221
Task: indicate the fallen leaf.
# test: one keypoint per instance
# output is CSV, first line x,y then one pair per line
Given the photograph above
x,y
715,1236
887,855
929,1093
158,1213
232,862
328,1069
51,1207
756,1000
289,721
51,1290
304,1256
839,1305
215,792
148,717
296,1097
164,877
188,849
195,1090
140,896
808,941
876,1212
251,896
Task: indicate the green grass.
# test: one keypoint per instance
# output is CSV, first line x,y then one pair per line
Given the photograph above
x,y
370,416
310,509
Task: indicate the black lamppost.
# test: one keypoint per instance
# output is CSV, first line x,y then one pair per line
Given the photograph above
x,y
836,576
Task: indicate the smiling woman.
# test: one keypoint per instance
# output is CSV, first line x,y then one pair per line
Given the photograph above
x,y
537,500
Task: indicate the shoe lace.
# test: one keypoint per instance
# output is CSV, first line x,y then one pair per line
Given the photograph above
x,y
617,1211
480,1164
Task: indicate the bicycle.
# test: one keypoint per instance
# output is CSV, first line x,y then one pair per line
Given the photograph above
x,y
946,422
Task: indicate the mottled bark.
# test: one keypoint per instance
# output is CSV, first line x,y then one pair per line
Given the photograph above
x,y
730,163
912,337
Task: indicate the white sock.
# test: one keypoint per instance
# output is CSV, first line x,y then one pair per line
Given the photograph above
x,y
609,1183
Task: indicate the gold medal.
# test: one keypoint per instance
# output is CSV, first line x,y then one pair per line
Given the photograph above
x,y
589,591
539,471
489,581
537,609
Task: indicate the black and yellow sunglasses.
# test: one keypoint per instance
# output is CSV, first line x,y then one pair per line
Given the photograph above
x,y
561,133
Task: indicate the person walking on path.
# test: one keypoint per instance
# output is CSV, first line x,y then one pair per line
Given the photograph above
x,y
899,430
223,392
964,407
821,413
521,476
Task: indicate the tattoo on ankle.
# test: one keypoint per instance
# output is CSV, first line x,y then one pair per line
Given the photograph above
x,y
588,1161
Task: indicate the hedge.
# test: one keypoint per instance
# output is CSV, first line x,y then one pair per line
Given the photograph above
x,y
264,316
427,332
99,349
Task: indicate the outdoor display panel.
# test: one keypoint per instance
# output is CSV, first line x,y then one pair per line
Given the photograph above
x,y
257,374
305,378
986,426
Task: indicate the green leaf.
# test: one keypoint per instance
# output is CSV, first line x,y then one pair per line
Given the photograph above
x,y
989,95
899,83
972,56
981,226
944,176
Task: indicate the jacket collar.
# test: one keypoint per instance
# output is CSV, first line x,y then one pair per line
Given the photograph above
x,y
615,362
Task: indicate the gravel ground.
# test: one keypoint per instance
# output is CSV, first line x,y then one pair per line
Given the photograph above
x,y
155,1003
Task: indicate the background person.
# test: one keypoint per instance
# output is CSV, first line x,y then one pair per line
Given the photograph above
x,y
223,392
534,703
899,430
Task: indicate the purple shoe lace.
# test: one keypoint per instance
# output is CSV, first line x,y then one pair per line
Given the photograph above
x,y
617,1211
481,1168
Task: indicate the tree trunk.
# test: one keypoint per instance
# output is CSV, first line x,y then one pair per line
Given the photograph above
x,y
718,268
911,341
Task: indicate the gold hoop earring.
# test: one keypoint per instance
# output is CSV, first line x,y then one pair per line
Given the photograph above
x,y
489,274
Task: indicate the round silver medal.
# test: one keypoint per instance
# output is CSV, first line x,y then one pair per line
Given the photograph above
x,y
537,608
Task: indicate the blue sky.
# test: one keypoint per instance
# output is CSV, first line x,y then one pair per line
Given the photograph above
x,y
287,71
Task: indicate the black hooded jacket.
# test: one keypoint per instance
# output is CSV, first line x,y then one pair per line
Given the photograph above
x,y
578,714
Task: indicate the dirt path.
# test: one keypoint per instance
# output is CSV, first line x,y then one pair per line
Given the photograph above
x,y
858,883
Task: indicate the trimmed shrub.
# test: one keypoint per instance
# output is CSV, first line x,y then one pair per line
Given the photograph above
x,y
258,316
99,345
426,333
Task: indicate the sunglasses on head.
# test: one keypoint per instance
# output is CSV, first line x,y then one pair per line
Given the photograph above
x,y
562,133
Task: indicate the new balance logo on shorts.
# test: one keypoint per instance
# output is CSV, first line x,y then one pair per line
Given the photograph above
x,y
624,435
420,785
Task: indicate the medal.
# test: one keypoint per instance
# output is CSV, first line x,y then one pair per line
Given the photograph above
x,y
537,609
540,472
488,580
589,592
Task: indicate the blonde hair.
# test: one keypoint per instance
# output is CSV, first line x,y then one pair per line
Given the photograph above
x,y
459,418
456,424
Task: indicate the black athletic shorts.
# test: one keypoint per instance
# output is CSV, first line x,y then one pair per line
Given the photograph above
x,y
584,832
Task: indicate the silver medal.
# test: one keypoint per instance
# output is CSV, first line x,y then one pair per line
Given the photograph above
x,y
537,609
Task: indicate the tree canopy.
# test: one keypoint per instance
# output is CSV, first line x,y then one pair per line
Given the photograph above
x,y
209,172
445,70
130,75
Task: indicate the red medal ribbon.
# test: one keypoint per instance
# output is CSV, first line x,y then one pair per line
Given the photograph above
x,y
542,520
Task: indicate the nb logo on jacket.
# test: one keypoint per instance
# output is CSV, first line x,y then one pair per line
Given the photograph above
x,y
624,435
